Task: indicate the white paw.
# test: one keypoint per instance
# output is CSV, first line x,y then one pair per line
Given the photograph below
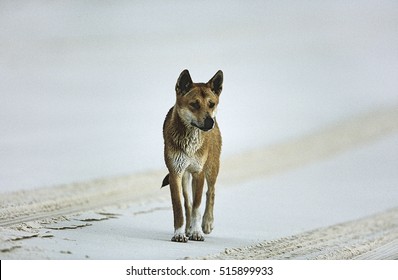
x,y
197,235
195,231
179,236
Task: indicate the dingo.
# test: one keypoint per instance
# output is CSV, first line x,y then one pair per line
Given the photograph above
x,y
192,147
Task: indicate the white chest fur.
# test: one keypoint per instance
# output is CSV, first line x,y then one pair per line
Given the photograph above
x,y
183,162
186,159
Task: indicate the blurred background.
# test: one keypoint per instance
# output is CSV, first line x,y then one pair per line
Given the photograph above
x,y
85,85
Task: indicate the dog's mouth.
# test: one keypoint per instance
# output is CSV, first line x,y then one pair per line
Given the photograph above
x,y
201,128
208,124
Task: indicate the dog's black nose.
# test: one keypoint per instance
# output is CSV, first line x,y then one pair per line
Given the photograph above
x,y
209,123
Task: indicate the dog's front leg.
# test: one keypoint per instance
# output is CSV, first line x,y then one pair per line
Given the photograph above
x,y
176,190
196,232
187,190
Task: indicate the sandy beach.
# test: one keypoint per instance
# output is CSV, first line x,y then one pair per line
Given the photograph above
x,y
308,116
319,205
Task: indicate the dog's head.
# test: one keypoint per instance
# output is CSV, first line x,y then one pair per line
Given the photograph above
x,y
197,102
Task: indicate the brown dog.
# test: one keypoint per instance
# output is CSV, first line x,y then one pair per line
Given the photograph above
x,y
192,147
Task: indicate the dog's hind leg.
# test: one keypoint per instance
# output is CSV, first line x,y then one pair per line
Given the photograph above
x,y
196,232
186,190
208,217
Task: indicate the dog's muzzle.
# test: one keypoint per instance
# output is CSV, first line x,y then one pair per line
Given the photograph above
x,y
207,125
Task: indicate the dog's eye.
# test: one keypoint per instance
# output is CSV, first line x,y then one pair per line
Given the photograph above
x,y
195,105
211,104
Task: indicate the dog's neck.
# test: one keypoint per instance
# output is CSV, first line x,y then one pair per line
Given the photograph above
x,y
186,136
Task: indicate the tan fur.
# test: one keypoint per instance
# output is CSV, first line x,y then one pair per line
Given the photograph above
x,y
192,147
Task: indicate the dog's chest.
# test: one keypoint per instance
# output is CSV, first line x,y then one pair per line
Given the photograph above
x,y
188,158
182,162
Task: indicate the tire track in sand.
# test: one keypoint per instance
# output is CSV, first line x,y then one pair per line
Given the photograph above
x,y
356,239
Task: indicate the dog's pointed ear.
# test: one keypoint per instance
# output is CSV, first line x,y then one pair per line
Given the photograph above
x,y
215,83
184,83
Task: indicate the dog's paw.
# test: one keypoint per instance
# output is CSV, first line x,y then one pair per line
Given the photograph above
x,y
179,238
197,236
207,225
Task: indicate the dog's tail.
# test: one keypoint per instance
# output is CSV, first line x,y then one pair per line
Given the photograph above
x,y
165,181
